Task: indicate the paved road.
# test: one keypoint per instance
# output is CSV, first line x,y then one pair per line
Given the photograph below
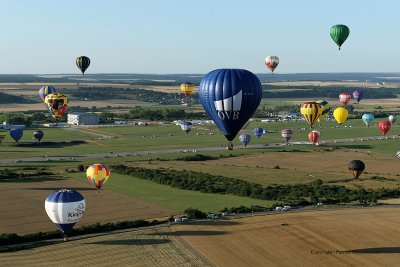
x,y
180,150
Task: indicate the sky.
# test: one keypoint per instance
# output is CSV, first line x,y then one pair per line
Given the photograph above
x,y
197,36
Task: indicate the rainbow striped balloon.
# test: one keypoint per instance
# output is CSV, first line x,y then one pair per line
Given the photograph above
x,y
97,174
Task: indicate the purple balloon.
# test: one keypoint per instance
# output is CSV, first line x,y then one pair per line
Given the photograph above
x,y
358,95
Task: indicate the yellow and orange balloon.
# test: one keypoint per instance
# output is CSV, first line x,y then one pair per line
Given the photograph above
x,y
187,88
97,174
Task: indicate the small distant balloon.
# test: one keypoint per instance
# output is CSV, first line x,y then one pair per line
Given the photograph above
x,y
392,118
311,112
272,62
186,126
314,136
245,139
187,88
38,135
45,91
368,119
358,95
356,168
83,63
258,132
16,134
287,134
339,34
340,114
384,127
344,98
97,175
325,109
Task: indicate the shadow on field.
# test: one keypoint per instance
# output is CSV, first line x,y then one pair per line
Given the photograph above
x,y
60,144
378,250
31,179
355,146
60,187
131,242
191,233
215,222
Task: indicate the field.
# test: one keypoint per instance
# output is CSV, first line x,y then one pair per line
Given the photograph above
x,y
343,237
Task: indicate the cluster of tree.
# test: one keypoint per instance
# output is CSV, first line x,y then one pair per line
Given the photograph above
x,y
12,238
7,175
244,209
145,95
297,194
197,157
324,92
195,213
6,99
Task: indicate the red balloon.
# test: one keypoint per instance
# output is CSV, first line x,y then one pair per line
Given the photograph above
x,y
344,98
384,126
314,136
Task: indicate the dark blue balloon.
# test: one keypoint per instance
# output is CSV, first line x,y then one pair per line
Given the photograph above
x,y
258,132
16,134
230,97
38,135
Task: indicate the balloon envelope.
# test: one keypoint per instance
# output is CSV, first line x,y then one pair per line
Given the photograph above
x,y
368,119
245,139
56,104
38,135
83,63
356,168
45,91
187,88
230,97
65,208
339,34
325,109
16,134
272,62
314,136
97,174
340,114
392,119
311,111
358,95
287,134
384,127
258,132
186,126
344,98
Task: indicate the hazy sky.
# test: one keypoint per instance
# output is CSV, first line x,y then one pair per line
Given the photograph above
x,y
189,36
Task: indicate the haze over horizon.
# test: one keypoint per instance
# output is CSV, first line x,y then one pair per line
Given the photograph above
x,y
159,37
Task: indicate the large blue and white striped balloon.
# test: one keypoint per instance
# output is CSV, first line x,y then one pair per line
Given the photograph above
x,y
65,208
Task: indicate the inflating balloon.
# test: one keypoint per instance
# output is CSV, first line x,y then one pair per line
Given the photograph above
x,y
83,63
65,208
339,34
245,139
356,168
340,114
97,175
384,127
230,97
311,111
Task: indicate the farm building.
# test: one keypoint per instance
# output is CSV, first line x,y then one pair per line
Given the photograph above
x,y
83,119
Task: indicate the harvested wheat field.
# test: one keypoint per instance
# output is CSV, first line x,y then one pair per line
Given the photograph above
x,y
22,206
151,247
345,237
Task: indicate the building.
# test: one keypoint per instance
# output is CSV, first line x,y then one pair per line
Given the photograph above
x,y
83,119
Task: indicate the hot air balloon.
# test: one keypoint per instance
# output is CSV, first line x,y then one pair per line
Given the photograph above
x,y
186,126
56,104
344,98
314,136
187,88
340,114
230,97
16,134
97,175
287,134
245,139
83,63
325,107
258,132
45,91
384,127
356,168
311,111
65,208
392,118
358,95
38,135
272,62
398,154
368,119
339,34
